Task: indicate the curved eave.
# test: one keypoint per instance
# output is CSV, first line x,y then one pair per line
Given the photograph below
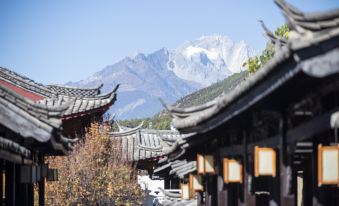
x,y
76,91
29,109
126,131
313,21
295,52
32,122
25,83
100,105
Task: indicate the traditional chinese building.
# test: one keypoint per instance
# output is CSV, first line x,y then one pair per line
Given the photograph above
x,y
273,139
38,121
84,104
146,147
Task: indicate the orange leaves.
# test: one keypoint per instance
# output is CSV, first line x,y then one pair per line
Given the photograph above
x,y
94,174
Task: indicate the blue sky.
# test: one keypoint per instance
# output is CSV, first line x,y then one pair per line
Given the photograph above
x,y
60,41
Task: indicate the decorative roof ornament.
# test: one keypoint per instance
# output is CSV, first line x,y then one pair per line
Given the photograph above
x,y
276,41
307,24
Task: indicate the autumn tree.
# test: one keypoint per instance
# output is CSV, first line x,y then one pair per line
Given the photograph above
x,y
95,173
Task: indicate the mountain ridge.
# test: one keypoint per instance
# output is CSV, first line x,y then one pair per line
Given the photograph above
x,y
168,74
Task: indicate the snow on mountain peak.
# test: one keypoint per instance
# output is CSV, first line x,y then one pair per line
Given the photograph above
x,y
169,74
208,59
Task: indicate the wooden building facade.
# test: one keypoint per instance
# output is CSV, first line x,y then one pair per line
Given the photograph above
x,y
273,140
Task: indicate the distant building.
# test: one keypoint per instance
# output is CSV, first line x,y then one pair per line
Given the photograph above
x,y
146,148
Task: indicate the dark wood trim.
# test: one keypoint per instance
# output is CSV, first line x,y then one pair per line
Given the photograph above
x,y
248,198
10,184
41,184
1,182
302,132
11,157
286,196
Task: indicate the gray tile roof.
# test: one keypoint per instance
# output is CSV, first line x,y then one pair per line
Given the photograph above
x,y
9,145
80,105
179,202
174,199
179,168
142,144
309,46
25,83
312,22
75,91
41,123
78,100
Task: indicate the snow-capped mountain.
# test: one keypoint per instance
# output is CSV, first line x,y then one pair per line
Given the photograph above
x,y
208,59
169,75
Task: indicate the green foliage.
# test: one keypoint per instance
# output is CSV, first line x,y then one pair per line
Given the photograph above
x,y
131,123
160,121
252,64
211,92
163,119
282,31
256,62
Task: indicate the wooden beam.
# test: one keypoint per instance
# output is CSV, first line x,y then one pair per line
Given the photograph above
x,y
231,150
286,198
1,182
41,184
11,157
220,190
10,184
302,132
249,199
311,128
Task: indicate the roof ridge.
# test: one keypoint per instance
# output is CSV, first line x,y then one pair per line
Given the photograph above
x,y
42,112
76,91
25,82
308,21
71,87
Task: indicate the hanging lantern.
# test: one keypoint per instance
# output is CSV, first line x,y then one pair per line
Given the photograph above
x,y
200,164
232,171
328,165
264,161
185,191
205,164
195,182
